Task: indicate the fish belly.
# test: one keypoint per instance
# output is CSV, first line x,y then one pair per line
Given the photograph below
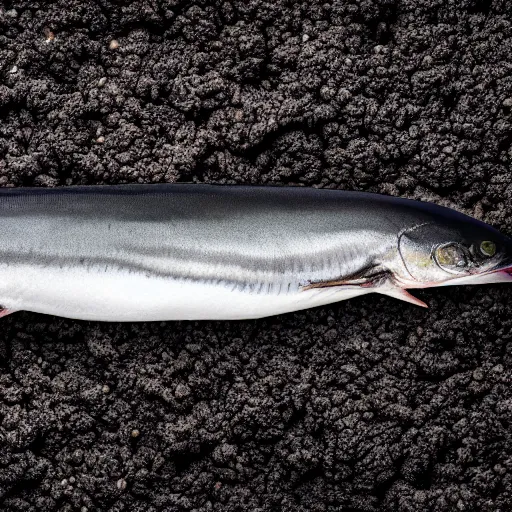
x,y
120,295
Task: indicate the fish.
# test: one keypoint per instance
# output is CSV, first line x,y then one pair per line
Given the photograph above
x,y
163,252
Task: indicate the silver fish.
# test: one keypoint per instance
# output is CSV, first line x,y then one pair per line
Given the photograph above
x,y
192,252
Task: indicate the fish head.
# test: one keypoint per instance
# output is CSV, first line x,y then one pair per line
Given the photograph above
x,y
453,250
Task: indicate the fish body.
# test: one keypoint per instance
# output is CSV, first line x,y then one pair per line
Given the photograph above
x,y
193,252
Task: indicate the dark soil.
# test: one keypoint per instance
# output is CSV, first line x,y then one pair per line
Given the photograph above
x,y
366,405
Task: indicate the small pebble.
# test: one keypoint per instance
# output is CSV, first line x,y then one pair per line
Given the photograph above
x,y
344,95
478,374
182,391
305,38
413,131
105,388
427,61
13,70
507,102
500,469
326,93
50,36
77,456
64,483
101,140
135,433
121,484
102,81
114,44
84,509
12,13
71,479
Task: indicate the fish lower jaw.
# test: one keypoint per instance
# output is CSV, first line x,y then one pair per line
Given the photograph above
x,y
493,277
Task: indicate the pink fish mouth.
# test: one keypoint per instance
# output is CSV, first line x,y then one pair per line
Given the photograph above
x,y
500,275
503,271
507,270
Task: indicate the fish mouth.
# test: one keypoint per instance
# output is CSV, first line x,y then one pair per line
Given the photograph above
x,y
502,274
507,270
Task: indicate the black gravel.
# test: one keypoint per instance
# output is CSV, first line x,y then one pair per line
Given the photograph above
x,y
367,405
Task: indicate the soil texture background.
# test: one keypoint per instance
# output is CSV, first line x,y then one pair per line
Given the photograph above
x,y
367,405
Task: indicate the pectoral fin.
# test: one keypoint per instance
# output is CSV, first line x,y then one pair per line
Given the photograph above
x,y
402,294
369,279
6,311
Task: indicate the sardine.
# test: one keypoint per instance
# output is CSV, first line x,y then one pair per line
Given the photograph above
x,y
195,252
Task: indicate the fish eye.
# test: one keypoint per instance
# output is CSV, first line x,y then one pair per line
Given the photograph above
x,y
451,257
488,248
